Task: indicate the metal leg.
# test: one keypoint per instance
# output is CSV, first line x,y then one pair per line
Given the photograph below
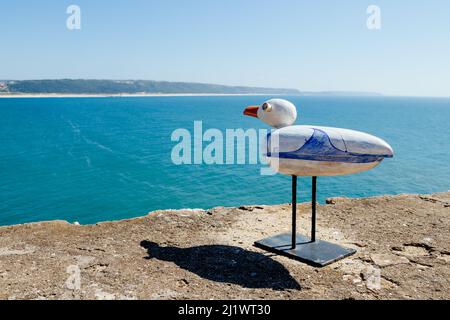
x,y
294,212
314,207
306,249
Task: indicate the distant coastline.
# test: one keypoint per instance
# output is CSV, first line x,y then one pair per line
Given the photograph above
x,y
130,95
155,95
83,88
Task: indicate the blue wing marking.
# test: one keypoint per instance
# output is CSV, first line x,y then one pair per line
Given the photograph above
x,y
320,148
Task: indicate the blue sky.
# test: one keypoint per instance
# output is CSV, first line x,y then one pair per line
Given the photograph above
x,y
308,45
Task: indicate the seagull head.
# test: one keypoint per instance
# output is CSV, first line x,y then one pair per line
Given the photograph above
x,y
277,113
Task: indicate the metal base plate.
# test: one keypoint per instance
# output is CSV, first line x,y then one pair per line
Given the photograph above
x,y
317,254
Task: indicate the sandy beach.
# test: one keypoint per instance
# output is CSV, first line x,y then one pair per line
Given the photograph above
x,y
403,248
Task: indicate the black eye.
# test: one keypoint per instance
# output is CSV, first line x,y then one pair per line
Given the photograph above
x,y
266,107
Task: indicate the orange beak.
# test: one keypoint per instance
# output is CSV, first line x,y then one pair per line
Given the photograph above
x,y
252,111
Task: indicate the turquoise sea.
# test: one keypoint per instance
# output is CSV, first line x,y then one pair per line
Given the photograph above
x,y
97,159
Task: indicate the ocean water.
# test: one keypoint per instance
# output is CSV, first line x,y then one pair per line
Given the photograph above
x,y
98,159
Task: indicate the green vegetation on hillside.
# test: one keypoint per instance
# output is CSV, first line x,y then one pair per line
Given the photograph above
x,y
131,87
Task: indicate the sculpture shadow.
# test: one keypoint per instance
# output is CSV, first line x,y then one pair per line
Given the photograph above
x,y
226,264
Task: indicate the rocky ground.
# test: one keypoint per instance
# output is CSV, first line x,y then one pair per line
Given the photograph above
x,y
403,245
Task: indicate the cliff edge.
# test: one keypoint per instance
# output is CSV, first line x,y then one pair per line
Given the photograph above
x,y
403,245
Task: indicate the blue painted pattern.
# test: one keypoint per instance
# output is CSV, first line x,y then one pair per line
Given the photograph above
x,y
320,148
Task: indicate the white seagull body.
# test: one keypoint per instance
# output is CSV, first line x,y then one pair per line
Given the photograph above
x,y
313,150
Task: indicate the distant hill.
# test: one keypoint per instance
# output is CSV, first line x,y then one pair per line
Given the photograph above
x,y
68,86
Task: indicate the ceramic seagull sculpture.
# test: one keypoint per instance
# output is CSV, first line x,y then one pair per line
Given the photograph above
x,y
312,151
316,151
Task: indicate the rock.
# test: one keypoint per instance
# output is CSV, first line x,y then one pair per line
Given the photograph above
x,y
17,252
335,200
385,260
414,250
427,240
102,295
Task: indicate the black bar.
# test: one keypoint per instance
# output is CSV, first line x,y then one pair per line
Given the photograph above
x,y
294,212
224,309
314,207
